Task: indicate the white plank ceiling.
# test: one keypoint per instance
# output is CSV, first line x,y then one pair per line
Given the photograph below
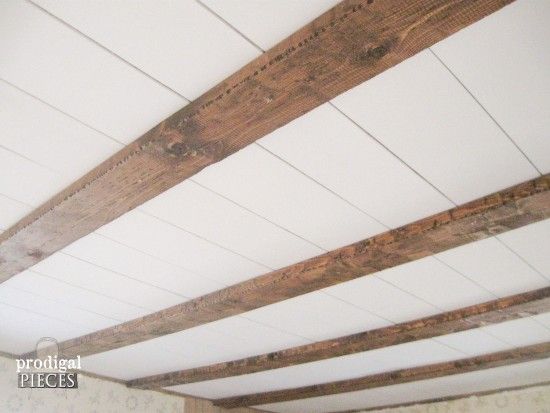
x,y
81,79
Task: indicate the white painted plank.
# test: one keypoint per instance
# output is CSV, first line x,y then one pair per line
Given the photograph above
x,y
90,277
70,295
473,342
140,266
284,17
520,332
421,113
174,245
331,149
532,243
178,42
491,379
508,56
50,308
264,184
383,299
495,267
316,316
11,211
340,368
60,66
21,329
50,138
219,220
427,278
26,181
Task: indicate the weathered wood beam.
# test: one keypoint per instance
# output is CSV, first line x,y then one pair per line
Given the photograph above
x,y
492,312
523,204
494,214
487,361
347,45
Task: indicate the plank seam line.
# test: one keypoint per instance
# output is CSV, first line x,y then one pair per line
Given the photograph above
x,y
484,109
276,60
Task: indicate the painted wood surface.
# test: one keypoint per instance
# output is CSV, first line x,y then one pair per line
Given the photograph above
x,y
494,214
492,312
487,361
344,47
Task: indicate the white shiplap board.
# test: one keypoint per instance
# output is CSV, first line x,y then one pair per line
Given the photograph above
x,y
178,247
49,137
94,278
328,147
355,365
223,340
58,65
421,113
495,267
474,342
506,69
73,296
517,375
135,264
427,277
284,16
11,211
317,316
520,332
25,181
382,298
275,190
179,43
215,218
49,307
532,244
21,329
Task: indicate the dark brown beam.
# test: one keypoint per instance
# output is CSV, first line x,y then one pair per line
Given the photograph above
x,y
487,361
351,43
497,213
446,398
497,311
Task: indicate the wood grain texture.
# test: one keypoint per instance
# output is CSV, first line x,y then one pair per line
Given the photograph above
x,y
487,361
344,47
494,214
504,309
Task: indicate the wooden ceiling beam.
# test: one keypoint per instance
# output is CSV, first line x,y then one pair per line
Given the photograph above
x,y
492,312
487,361
349,44
494,214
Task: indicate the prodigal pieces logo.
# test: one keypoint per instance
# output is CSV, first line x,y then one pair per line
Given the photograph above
x,y
48,369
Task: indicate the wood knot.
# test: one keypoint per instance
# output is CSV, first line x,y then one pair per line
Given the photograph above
x,y
177,149
36,254
373,54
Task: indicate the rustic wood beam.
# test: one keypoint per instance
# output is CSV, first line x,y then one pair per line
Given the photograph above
x,y
487,361
349,44
492,312
494,214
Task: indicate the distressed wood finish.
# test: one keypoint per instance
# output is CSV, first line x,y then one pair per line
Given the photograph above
x,y
487,361
497,213
504,309
349,44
